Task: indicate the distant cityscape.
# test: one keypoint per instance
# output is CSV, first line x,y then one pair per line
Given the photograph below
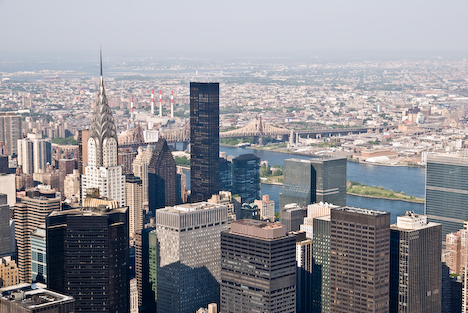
x,y
116,196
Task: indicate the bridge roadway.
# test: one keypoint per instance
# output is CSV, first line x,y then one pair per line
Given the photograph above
x,y
315,132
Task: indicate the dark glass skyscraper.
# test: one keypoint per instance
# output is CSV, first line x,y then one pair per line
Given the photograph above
x,y
447,192
204,140
246,177
162,177
225,175
87,257
314,180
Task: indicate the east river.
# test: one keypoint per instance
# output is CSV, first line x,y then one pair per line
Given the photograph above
x,y
411,180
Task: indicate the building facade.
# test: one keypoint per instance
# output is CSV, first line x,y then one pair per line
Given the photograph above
x,y
359,260
146,268
246,177
38,255
267,208
447,192
225,174
415,265
313,211
162,177
134,198
314,180
321,270
204,140
304,263
5,248
103,171
10,132
292,216
88,257
9,275
34,153
262,277
140,169
189,256
30,215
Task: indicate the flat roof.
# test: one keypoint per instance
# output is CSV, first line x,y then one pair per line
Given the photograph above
x,y
361,210
191,207
32,296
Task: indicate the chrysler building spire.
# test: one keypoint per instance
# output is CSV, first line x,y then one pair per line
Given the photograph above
x,y
103,171
102,123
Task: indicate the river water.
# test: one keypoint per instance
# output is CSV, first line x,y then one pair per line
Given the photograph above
x,y
411,180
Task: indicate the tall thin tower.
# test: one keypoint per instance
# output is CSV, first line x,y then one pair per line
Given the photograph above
x,y
160,103
204,140
172,104
152,101
103,171
131,109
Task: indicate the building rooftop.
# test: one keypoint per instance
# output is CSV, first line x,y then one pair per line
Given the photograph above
x,y
315,160
190,207
361,211
412,221
32,296
256,228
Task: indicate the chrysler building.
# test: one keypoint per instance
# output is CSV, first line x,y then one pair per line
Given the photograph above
x,y
102,170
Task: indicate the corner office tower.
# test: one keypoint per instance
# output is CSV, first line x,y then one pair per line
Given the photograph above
x,y
102,170
204,140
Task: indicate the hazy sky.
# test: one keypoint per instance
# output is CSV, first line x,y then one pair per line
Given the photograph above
x,y
234,26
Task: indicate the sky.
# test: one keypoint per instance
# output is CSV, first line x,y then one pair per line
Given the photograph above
x,y
241,26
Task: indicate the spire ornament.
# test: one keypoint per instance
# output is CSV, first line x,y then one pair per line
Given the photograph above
x,y
102,122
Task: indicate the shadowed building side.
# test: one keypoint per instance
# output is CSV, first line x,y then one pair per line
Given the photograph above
x,y
162,177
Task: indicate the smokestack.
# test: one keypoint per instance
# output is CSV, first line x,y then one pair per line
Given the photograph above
x,y
172,104
160,104
131,109
152,101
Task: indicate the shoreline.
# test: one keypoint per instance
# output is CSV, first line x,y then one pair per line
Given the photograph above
x,y
358,195
314,156
396,199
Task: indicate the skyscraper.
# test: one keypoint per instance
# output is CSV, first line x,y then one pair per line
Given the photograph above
x,y
34,153
262,277
29,215
10,131
292,216
359,260
447,192
314,180
190,256
102,170
38,255
304,262
4,226
267,208
146,268
225,175
162,177
415,265
204,140
315,210
140,169
246,177
134,203
321,267
87,257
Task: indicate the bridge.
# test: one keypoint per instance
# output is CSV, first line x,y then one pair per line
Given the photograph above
x,y
257,129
